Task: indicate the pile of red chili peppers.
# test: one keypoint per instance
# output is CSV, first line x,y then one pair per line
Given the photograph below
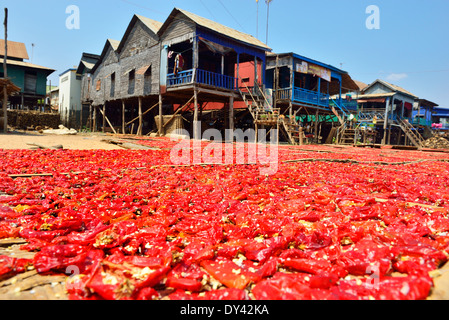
x,y
125,224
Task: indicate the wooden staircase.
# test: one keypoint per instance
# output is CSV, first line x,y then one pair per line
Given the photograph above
x,y
293,131
414,136
255,101
347,136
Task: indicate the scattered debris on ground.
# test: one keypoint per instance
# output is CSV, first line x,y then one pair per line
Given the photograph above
x,y
62,130
437,142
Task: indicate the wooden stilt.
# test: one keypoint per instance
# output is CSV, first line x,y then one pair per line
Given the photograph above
x,y
139,129
94,121
196,124
161,129
110,124
104,118
123,117
90,118
231,113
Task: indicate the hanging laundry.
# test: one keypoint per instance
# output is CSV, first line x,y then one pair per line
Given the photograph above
x,y
170,54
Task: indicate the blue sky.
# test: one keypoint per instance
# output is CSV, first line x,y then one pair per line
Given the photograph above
x,y
411,48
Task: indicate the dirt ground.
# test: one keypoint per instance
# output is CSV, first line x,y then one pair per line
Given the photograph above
x,y
80,141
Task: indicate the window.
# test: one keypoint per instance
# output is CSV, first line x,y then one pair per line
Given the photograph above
x,y
98,85
132,81
147,80
30,82
112,93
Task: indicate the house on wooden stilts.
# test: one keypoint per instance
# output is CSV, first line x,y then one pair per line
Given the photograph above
x,y
124,90
390,109
301,93
204,64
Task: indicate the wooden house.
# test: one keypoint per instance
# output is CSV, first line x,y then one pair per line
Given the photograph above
x,y
29,77
172,70
125,78
303,90
202,62
87,63
422,113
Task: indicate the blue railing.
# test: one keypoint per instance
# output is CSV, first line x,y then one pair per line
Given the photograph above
x,y
183,77
202,77
421,122
216,79
311,97
350,105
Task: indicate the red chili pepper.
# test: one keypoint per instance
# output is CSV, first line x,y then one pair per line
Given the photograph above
x,y
227,272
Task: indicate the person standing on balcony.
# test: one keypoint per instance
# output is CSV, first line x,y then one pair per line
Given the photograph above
x,y
179,64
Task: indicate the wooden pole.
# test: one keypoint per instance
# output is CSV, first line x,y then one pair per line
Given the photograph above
x,y
94,121
104,117
139,128
5,75
123,117
161,129
231,113
384,140
144,113
196,130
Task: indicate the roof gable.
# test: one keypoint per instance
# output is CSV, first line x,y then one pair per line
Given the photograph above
x,y
390,86
110,43
152,25
216,27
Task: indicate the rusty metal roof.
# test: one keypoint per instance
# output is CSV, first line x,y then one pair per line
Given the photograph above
x,y
15,49
221,29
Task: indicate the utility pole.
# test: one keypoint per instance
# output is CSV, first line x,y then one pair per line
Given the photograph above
x,y
5,75
257,20
268,15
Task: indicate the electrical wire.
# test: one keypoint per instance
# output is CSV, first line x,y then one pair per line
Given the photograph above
x,y
243,29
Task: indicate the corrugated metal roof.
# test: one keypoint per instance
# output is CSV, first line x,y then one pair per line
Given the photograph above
x,y
360,84
114,44
27,65
375,95
219,28
392,87
153,25
88,65
15,49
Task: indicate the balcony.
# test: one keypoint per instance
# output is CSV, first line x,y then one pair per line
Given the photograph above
x,y
304,96
202,77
